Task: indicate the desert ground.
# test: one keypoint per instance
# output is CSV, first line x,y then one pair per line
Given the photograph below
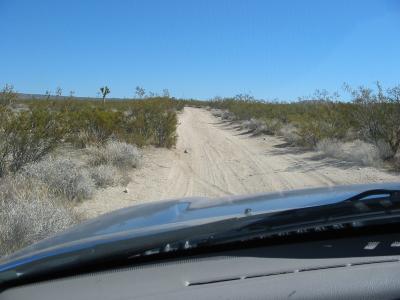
x,y
213,158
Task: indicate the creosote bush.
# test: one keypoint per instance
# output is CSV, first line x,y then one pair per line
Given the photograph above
x,y
27,137
29,134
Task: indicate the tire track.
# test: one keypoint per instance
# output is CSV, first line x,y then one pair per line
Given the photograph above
x,y
212,160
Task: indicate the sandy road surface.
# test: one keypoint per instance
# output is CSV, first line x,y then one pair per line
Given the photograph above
x,y
221,160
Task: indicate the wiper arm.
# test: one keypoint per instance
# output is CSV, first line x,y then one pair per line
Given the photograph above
x,y
393,195
371,205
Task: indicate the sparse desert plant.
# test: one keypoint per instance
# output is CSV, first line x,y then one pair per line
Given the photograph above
x,y
8,95
58,91
140,92
105,175
165,130
27,137
63,176
330,147
385,150
227,115
216,113
272,126
118,154
251,124
165,93
356,151
396,162
29,213
289,134
364,153
377,115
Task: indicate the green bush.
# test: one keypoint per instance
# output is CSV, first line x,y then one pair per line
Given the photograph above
x,y
28,136
378,116
373,116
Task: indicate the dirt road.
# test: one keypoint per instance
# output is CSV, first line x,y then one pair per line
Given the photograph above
x,y
212,159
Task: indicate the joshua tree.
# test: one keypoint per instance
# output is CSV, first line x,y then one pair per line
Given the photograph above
x,y
58,91
165,93
104,92
140,92
47,94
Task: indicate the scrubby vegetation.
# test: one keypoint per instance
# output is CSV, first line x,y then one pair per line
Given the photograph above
x,y
38,186
371,121
114,153
30,134
29,212
63,176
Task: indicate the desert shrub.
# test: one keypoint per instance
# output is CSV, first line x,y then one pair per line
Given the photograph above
x,y
165,130
330,147
29,213
216,113
289,134
141,122
378,116
357,151
227,115
272,126
92,126
118,154
385,150
310,132
364,153
251,125
8,95
105,175
27,137
323,120
63,176
396,162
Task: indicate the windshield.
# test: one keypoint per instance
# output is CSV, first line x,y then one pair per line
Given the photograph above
x,y
105,105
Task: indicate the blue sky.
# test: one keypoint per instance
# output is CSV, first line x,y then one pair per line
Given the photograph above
x,y
199,49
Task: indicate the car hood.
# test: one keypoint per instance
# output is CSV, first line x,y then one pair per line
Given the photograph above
x,y
162,216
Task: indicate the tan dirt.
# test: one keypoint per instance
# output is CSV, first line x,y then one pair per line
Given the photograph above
x,y
213,159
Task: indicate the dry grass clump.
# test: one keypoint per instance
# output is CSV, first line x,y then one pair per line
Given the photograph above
x,y
330,147
118,154
216,112
289,134
105,175
63,176
363,153
356,151
29,212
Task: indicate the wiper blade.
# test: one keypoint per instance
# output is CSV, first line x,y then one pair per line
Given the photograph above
x,y
371,205
392,195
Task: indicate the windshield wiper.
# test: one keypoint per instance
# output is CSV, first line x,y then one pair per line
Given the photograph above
x,y
370,206
378,205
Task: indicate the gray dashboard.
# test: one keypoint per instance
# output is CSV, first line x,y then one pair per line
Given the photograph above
x,y
359,267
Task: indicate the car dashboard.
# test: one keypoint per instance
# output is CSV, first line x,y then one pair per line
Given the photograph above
x,y
354,267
